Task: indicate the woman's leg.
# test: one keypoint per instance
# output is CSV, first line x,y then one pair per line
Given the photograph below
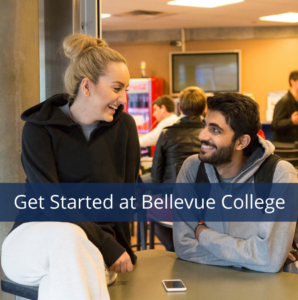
x,y
58,257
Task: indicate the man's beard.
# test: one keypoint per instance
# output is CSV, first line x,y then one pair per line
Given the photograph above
x,y
219,157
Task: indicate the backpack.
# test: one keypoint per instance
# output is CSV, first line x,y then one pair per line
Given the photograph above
x,y
264,174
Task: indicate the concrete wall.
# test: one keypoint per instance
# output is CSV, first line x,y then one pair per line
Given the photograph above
x,y
19,87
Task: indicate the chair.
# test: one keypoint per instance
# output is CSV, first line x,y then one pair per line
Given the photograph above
x,y
285,146
141,236
287,153
25,291
154,220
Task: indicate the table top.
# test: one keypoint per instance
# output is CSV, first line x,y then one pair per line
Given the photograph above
x,y
202,281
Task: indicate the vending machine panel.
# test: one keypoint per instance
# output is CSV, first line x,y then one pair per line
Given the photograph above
x,y
141,94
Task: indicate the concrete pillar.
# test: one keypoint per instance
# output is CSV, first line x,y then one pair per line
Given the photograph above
x,y
19,87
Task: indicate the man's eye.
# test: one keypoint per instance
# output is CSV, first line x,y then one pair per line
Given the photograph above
x,y
117,89
214,129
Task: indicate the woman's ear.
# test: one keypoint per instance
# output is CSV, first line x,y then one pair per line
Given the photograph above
x,y
243,142
85,85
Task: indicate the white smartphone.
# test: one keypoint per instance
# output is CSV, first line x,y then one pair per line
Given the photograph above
x,y
174,285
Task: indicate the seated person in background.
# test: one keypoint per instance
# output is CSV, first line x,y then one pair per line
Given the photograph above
x,y
175,144
285,117
163,111
232,152
179,141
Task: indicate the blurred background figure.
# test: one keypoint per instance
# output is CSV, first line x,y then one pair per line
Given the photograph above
x,y
180,140
175,144
163,111
285,117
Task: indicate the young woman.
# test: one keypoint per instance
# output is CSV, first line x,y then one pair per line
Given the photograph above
x,y
79,137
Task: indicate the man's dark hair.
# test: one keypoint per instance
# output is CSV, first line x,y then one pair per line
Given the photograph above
x,y
241,114
293,76
167,101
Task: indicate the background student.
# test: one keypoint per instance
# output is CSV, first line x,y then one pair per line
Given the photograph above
x,y
179,141
175,144
285,117
163,111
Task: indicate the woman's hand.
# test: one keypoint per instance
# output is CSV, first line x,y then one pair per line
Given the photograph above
x,y
123,264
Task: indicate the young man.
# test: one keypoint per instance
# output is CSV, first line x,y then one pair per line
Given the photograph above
x,y
285,117
179,141
163,111
232,152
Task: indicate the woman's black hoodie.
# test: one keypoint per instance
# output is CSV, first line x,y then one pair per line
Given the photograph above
x,y
55,150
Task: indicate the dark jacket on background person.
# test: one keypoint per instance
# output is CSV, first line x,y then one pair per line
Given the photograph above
x,y
283,128
175,144
55,150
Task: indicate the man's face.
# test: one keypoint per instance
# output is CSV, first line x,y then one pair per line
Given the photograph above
x,y
158,112
216,138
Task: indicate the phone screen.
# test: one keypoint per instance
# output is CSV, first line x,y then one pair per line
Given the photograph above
x,y
174,284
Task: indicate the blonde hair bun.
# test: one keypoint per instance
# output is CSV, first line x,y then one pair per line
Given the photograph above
x,y
76,45
89,59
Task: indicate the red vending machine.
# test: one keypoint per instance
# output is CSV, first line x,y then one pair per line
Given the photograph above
x,y
142,92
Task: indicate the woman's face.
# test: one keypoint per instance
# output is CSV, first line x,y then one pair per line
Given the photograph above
x,y
110,92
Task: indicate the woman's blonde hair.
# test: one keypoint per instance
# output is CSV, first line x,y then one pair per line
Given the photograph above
x,y
89,59
192,101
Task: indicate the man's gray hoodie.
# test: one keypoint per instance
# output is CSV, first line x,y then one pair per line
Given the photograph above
x,y
260,246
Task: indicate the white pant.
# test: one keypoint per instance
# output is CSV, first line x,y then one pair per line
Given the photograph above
x,y
58,257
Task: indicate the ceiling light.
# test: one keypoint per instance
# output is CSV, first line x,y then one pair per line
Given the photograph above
x,y
203,3
287,17
105,16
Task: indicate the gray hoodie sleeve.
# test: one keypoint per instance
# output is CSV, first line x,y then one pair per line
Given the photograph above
x,y
264,252
187,247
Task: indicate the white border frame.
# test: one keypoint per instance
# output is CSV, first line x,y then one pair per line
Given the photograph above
x,y
198,52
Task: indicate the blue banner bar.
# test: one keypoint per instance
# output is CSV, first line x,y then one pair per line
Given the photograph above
x,y
164,202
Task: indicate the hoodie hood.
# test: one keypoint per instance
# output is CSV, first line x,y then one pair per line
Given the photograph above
x,y
261,150
48,113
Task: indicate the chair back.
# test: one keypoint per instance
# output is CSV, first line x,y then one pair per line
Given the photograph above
x,y
283,146
289,153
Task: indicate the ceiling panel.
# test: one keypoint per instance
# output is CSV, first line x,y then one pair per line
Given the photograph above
x,y
246,13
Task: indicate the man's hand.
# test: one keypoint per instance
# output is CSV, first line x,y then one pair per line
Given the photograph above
x,y
122,264
199,229
294,118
